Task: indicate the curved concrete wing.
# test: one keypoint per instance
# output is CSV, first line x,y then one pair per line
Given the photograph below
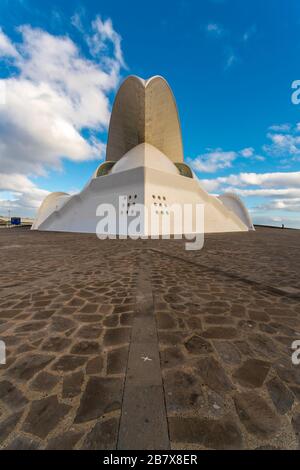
x,y
52,202
233,202
144,111
162,125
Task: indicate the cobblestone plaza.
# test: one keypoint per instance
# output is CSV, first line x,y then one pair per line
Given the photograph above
x,y
140,344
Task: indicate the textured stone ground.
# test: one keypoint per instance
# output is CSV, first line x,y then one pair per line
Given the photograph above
x,y
225,318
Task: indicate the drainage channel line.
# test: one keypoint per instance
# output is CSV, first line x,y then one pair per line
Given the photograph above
x,y
143,423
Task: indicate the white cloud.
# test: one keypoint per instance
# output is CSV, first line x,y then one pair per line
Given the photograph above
x,y
267,181
103,35
285,142
24,195
277,192
212,161
77,22
247,152
280,191
280,127
218,159
54,94
289,205
7,49
249,33
214,29
230,60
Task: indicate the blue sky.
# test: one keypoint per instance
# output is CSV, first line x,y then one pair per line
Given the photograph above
x,y
230,64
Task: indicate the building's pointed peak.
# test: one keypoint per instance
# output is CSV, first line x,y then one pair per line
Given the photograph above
x,y
144,110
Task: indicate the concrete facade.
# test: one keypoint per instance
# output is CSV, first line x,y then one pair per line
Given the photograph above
x,y
144,166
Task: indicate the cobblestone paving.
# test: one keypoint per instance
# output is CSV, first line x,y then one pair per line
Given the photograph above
x,y
66,321
226,356
67,303
269,256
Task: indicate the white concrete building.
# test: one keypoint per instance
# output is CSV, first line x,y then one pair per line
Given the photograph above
x,y
144,165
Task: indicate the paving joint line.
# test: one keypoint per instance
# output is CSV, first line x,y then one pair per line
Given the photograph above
x,y
143,421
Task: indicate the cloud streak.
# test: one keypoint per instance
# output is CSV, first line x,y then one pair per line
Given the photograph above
x,y
218,159
214,29
280,190
24,194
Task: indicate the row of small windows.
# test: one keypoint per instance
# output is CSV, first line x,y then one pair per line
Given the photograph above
x,y
159,205
128,204
160,198
162,212
132,200
156,212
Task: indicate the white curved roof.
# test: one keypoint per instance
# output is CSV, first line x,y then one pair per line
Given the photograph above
x,y
145,155
54,201
233,202
144,111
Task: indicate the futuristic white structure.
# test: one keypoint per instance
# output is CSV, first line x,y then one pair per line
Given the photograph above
x,y
144,162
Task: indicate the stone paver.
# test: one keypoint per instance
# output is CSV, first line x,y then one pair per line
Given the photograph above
x,y
65,316
244,369
225,318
